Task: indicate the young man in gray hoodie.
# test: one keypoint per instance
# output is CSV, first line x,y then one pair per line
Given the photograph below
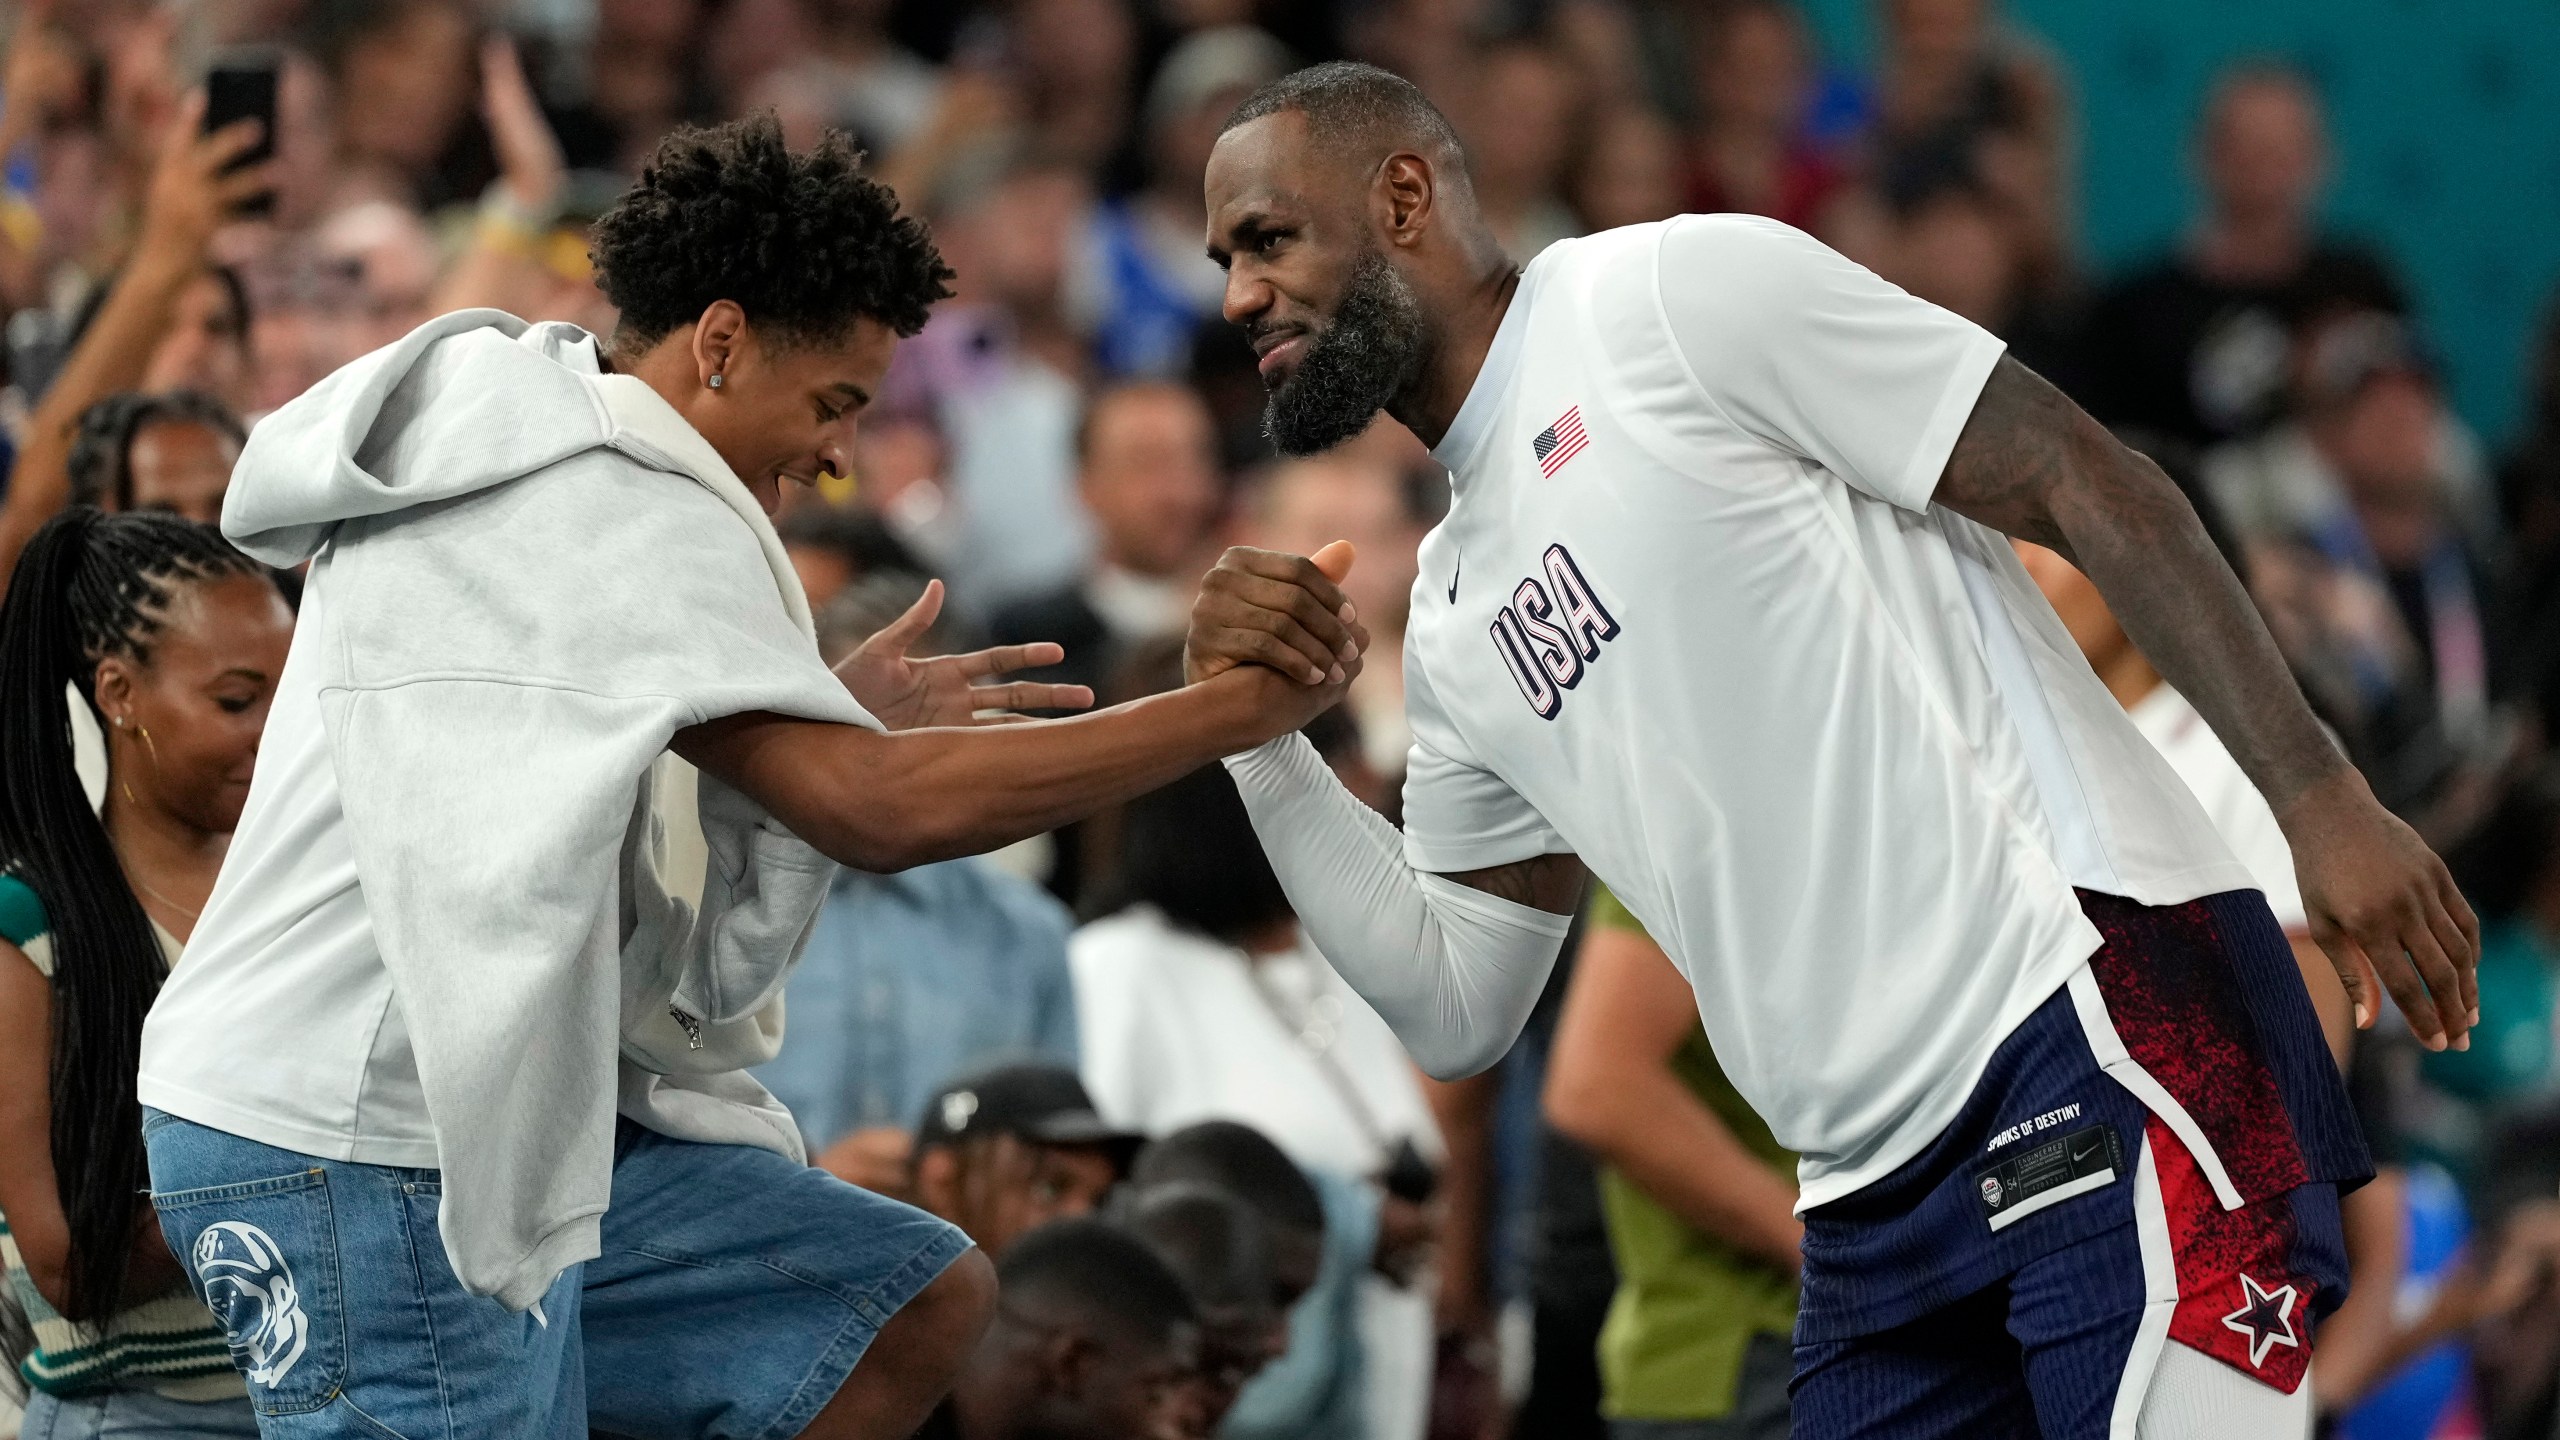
x,y
446,1110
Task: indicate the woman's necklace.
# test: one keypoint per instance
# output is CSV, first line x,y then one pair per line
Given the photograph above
x,y
145,887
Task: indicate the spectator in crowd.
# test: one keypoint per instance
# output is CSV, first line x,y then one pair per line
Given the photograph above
x,y
1322,1233
2511,870
2198,345
170,452
1093,1339
2529,507
1630,171
1299,506
857,78
1522,114
1221,1251
1957,90
1143,286
173,640
1754,72
2377,582
1147,474
912,978
401,79
1001,370
1199,999
1004,1150
1700,1200
837,551
142,316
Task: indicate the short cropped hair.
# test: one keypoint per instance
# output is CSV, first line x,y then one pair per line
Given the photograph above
x,y
1239,1160
1209,1238
1097,1273
802,241
1352,105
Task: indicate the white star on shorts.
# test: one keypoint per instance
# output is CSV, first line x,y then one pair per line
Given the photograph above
x,y
2265,1316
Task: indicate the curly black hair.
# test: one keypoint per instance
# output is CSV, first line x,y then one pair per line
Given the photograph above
x,y
804,242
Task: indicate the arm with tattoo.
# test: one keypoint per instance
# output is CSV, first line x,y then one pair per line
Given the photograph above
x,y
2031,464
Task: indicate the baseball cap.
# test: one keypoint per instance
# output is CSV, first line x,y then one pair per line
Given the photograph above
x,y
1042,1103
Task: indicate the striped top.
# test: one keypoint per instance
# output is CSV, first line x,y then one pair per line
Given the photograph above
x,y
169,1344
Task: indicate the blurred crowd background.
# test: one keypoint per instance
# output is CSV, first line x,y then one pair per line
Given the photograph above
x,y
2300,254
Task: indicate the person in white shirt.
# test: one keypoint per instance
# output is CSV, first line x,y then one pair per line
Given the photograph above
x,y
1722,610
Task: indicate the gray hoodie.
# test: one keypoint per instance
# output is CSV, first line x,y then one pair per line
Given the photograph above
x,y
533,575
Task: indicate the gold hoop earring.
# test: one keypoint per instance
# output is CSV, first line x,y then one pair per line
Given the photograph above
x,y
145,732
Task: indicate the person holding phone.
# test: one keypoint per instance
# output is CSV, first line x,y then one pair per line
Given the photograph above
x,y
167,294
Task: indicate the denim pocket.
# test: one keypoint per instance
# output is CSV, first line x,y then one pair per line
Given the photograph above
x,y
263,1257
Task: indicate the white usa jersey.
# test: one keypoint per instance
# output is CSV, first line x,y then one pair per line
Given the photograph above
x,y
1693,618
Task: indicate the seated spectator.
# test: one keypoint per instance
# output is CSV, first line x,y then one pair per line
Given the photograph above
x,y
1199,999
2376,581
1322,1233
912,978
1299,506
2197,345
1093,1339
999,368
1630,170
1141,285
1005,1150
174,641
1147,472
169,452
1699,1199
1520,118
1753,69
1221,1250
835,549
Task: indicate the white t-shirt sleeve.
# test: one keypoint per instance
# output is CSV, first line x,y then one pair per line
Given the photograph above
x,y
1818,355
1458,815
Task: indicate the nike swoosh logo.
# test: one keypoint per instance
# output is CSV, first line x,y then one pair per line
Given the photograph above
x,y
1454,572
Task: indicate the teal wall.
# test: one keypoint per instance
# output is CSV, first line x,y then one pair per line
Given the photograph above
x,y
2447,117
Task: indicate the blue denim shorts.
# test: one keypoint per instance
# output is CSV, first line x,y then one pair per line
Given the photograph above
x,y
734,1295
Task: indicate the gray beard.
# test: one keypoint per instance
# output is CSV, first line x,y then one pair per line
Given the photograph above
x,y
1363,358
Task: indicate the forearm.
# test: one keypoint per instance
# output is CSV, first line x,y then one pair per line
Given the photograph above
x,y
111,357
1641,1120
1453,970
886,802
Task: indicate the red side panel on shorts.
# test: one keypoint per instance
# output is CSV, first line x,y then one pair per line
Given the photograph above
x,y
2239,1298
2176,1003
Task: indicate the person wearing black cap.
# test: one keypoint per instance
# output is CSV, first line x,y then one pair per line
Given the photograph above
x,y
1002,1150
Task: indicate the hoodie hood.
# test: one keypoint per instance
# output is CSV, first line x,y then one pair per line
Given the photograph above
x,y
464,403
441,412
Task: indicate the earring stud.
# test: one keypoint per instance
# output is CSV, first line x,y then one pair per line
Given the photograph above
x,y
715,382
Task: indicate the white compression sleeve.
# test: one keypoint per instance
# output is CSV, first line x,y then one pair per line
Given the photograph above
x,y
1453,970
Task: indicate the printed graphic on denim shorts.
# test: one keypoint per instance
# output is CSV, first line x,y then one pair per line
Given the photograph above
x,y
263,1255
244,1278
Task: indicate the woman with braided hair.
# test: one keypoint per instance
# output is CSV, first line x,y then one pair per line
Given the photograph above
x,y
175,641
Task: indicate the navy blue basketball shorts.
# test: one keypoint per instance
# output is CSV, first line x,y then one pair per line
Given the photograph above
x,y
2128,1231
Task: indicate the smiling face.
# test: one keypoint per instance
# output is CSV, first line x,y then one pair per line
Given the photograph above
x,y
1338,330
784,409
201,696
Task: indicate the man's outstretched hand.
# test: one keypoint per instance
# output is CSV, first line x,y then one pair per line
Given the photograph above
x,y
908,693
2382,905
1284,612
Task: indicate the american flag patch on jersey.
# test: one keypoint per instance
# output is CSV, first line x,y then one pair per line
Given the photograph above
x,y
1559,442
